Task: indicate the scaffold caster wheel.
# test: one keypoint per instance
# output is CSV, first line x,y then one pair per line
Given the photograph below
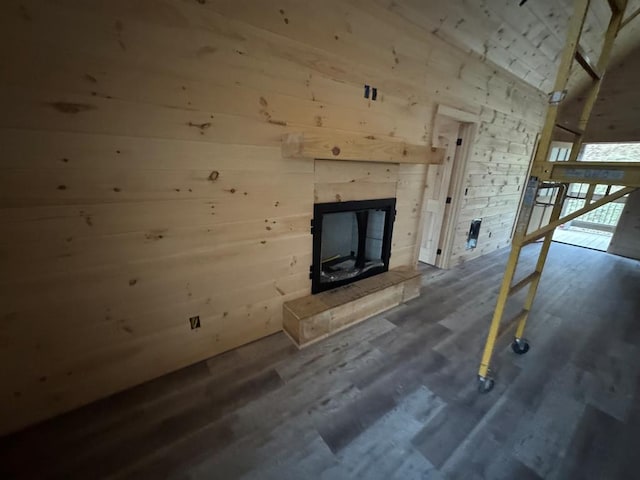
x,y
485,384
520,346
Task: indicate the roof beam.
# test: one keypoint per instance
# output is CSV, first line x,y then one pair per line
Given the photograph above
x,y
630,17
584,60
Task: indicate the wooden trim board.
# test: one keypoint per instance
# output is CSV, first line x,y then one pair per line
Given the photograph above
x,y
358,148
457,114
309,319
469,125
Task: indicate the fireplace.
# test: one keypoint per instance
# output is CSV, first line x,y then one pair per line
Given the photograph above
x,y
351,241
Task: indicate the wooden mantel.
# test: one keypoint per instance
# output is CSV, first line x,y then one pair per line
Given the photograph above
x,y
358,148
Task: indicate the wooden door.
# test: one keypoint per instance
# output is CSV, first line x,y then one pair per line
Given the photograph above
x,y
446,131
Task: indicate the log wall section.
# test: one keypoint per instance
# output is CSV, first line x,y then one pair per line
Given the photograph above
x,y
142,180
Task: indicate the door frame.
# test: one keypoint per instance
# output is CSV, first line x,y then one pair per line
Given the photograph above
x,y
469,123
437,182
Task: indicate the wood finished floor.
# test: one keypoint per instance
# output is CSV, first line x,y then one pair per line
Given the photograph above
x,y
392,398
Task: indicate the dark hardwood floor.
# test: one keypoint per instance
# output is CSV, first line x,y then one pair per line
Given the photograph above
x,y
392,398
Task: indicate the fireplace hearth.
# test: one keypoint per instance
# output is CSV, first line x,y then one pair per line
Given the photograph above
x,y
351,241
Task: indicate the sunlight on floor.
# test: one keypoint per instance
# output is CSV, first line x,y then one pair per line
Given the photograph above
x,y
583,237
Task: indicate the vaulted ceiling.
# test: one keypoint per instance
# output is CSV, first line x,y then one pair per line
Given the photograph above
x,y
527,41
616,114
524,40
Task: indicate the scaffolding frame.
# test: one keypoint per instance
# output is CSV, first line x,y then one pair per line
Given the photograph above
x,y
558,176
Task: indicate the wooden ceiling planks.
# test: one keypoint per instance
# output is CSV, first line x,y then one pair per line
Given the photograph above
x,y
527,42
524,40
615,114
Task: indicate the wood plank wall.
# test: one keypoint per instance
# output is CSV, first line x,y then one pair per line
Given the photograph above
x,y
339,181
142,179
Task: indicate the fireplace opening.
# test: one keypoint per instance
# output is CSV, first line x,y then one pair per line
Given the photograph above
x,y
351,241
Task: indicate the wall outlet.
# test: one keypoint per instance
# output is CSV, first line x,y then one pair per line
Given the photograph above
x,y
194,322
474,233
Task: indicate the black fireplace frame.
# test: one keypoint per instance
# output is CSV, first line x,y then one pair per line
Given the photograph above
x,y
320,209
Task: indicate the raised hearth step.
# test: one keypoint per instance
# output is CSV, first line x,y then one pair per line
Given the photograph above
x,y
314,317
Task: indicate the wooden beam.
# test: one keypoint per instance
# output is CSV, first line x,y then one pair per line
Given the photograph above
x,y
630,17
309,319
572,130
602,173
586,63
358,148
457,114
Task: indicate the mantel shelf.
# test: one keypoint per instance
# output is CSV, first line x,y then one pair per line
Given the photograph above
x,y
358,148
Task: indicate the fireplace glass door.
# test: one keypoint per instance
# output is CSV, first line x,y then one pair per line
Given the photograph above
x,y
352,240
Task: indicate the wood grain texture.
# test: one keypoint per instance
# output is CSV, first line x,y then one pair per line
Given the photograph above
x,y
370,149
142,180
312,318
392,397
525,40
